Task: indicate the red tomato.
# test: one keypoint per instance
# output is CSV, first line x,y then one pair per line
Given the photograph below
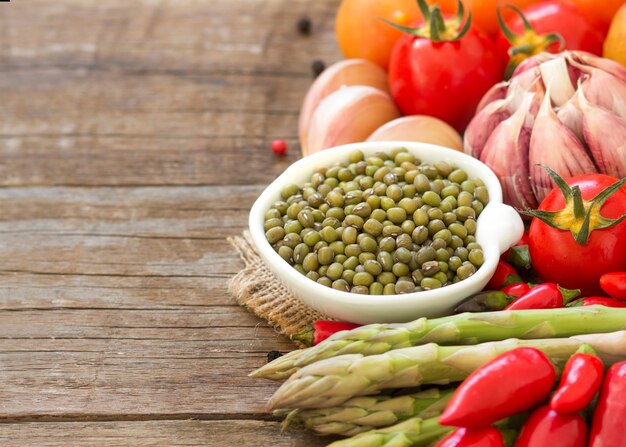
x,y
554,16
484,12
443,79
558,258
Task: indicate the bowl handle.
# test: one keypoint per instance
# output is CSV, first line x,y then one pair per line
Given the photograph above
x,y
502,224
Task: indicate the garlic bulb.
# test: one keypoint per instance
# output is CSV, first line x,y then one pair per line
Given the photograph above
x,y
566,111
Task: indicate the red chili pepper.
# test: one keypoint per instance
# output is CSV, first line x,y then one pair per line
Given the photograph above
x,y
547,428
580,381
518,289
544,296
597,300
609,417
614,284
320,331
477,437
513,382
504,275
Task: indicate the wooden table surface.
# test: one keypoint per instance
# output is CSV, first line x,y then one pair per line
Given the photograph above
x,y
134,137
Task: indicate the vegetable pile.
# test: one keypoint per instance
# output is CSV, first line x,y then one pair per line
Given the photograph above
x,y
538,358
462,379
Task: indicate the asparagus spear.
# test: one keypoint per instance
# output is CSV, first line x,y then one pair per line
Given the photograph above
x,y
414,432
417,432
467,328
332,381
364,413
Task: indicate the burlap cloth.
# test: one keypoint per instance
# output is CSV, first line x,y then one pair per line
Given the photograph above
x,y
259,291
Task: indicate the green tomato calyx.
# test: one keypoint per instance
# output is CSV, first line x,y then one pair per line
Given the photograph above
x,y
579,216
526,44
436,27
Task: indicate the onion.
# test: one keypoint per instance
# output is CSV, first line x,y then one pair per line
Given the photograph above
x,y
566,110
348,115
422,128
344,73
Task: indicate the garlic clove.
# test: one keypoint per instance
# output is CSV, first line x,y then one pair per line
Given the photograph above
x,y
348,115
506,153
483,124
582,59
554,145
344,73
605,134
496,92
531,63
605,90
555,73
572,117
422,128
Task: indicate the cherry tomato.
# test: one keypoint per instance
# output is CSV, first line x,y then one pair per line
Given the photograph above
x,y
599,12
557,257
443,79
362,34
554,16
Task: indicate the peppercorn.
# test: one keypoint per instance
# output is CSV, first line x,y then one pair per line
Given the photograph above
x,y
304,25
273,355
317,67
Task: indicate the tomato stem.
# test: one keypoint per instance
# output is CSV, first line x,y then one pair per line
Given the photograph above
x,y
527,43
577,199
436,27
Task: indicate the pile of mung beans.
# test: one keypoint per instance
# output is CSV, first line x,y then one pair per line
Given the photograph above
x,y
380,225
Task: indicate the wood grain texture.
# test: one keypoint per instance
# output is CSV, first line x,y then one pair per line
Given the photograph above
x,y
187,433
153,92
134,137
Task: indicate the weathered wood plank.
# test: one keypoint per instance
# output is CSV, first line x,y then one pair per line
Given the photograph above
x,y
113,303
135,363
222,35
153,92
187,433
119,231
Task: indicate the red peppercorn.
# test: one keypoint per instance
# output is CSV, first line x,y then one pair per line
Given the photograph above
x,y
279,147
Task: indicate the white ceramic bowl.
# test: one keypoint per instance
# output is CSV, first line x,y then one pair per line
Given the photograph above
x,y
499,227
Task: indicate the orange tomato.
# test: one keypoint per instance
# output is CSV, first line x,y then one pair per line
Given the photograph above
x,y
484,12
599,12
362,34
615,42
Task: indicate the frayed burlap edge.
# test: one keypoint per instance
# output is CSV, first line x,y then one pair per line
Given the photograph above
x,y
259,291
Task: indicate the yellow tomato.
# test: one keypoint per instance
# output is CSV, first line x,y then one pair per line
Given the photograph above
x,y
615,42
362,34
